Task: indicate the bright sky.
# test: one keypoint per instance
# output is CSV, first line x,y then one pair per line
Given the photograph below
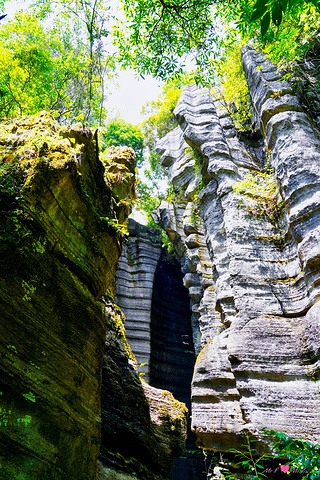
x,y
131,94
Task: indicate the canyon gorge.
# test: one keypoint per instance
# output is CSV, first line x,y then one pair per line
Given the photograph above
x,y
108,339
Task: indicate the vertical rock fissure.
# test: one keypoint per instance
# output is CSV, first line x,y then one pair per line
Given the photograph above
x,y
172,350
134,285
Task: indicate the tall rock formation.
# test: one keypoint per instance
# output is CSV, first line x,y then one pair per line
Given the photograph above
x,y
62,215
250,261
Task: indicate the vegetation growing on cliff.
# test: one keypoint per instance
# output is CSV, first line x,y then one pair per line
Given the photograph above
x,y
262,195
303,456
296,457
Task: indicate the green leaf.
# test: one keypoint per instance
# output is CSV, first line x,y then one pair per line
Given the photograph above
x,y
316,3
257,14
265,23
259,4
283,4
292,3
276,14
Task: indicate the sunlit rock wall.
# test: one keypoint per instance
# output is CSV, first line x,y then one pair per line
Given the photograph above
x,y
134,287
256,313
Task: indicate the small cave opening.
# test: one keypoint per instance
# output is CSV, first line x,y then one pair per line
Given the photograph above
x,y
172,353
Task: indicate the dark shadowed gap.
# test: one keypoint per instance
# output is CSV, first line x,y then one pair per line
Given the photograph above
x,y
172,352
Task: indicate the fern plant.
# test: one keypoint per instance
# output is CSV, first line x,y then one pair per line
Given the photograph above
x,y
248,462
304,456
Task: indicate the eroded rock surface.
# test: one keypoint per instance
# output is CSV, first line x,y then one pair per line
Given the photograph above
x,y
143,428
252,277
61,219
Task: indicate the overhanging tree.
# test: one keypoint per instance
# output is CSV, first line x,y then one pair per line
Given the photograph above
x,y
158,34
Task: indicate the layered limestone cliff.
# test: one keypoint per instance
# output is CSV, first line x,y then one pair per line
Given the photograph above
x,y
251,262
62,211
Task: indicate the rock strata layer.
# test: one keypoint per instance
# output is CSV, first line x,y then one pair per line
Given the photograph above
x,y
143,428
151,294
252,276
134,287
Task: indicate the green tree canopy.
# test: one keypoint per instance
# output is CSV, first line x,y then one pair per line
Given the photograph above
x,y
158,34
37,70
88,20
56,62
120,133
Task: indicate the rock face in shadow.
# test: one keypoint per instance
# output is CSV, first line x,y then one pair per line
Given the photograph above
x,y
151,294
60,242
143,428
252,275
172,352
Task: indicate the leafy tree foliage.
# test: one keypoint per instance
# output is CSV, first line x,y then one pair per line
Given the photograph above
x,y
57,64
37,69
160,120
120,133
273,11
303,455
158,33
88,21
233,86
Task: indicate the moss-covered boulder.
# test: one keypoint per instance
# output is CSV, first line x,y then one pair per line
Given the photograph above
x,y
59,244
62,219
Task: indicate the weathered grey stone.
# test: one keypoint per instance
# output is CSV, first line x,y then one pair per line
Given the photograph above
x,y
254,309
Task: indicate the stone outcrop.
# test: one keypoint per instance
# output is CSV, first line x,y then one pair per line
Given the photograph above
x,y
151,294
62,214
252,276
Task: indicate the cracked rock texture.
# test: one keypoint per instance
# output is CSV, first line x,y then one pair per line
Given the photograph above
x,y
143,428
59,246
253,280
